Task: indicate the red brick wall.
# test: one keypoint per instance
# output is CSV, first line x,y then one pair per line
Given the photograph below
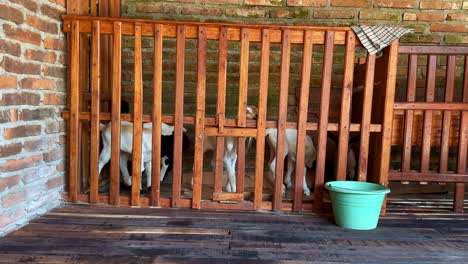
x,y
437,22
32,94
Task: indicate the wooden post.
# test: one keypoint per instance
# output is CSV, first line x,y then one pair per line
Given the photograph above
x,y
409,114
156,116
459,202
261,118
137,120
199,120
447,116
74,111
302,121
323,120
282,118
178,115
95,104
366,118
346,107
116,98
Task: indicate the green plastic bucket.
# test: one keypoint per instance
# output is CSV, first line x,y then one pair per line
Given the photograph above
x,y
356,205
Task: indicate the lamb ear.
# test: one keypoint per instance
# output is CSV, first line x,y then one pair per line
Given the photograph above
x,y
166,130
184,129
101,127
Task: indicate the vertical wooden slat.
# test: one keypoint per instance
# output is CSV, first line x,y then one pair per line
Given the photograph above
x,y
156,116
282,118
346,106
447,116
241,114
427,126
95,104
366,118
409,115
93,7
178,115
116,98
137,119
220,109
459,196
199,119
323,120
74,187
302,120
261,118
387,118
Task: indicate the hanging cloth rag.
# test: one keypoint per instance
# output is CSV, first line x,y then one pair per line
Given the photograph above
x,y
375,38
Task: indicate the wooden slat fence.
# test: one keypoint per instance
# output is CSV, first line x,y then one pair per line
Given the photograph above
x,y
370,127
459,176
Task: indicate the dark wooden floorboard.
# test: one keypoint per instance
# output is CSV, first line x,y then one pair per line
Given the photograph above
x,y
104,234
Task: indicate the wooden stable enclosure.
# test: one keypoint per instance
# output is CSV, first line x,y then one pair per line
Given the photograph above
x,y
86,104
434,118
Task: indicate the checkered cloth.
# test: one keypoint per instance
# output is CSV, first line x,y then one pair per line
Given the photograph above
x,y
375,38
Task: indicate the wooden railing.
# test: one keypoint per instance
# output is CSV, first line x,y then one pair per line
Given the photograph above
x,y
374,127
429,106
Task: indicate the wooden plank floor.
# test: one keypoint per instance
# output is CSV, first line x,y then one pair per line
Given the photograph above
x,y
92,234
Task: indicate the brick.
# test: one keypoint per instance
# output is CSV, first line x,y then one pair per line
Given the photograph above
x,y
315,3
12,14
41,24
54,99
334,14
60,167
9,47
52,12
395,3
17,66
55,182
350,3
54,155
264,2
37,84
220,2
54,71
155,8
39,144
36,114
409,16
29,4
42,56
54,44
10,115
439,5
22,131
289,13
11,216
55,127
462,28
376,15
9,182
21,98
10,150
456,39
239,12
421,38
22,35
457,17
206,11
13,199
19,164
430,17
58,2
8,82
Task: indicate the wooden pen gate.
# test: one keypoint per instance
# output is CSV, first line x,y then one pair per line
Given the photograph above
x,y
375,129
442,113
